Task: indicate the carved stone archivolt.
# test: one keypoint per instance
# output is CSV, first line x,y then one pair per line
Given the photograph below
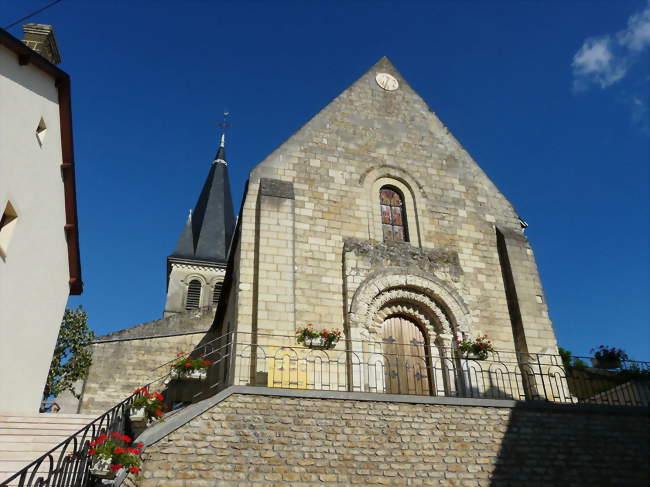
x,y
423,298
411,303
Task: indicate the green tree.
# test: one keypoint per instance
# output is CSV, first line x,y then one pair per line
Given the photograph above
x,y
569,360
72,354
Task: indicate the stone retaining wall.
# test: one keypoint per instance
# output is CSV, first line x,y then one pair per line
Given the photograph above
x,y
262,440
120,366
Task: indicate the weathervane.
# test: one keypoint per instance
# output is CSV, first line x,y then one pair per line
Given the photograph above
x,y
224,125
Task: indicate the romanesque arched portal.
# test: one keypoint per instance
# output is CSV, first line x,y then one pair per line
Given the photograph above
x,y
401,327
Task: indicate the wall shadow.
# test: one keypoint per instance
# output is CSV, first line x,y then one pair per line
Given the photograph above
x,y
598,446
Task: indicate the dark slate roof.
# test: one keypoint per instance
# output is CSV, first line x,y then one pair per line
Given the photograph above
x,y
185,246
207,232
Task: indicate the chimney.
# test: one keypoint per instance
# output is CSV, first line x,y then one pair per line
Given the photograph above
x,y
40,38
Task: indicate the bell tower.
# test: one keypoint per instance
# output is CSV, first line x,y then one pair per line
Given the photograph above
x,y
197,266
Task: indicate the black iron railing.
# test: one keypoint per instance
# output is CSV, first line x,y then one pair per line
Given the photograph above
x,y
414,368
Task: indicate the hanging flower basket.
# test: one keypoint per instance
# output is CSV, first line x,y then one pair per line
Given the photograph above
x,y
146,408
101,468
195,368
318,340
608,357
111,454
477,349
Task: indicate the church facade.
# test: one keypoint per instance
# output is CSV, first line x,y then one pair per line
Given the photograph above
x,y
373,219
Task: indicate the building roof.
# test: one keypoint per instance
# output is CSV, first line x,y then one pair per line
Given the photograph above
x,y
208,230
24,56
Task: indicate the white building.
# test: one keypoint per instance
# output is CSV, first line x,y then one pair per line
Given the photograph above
x,y
39,245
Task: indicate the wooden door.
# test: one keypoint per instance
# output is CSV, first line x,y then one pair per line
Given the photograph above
x,y
405,362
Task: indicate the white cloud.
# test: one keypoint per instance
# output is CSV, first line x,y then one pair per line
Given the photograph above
x,y
605,60
637,35
595,62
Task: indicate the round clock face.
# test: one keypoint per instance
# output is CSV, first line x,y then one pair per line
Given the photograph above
x,y
386,81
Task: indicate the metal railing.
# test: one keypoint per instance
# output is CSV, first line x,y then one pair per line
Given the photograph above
x,y
414,368
423,369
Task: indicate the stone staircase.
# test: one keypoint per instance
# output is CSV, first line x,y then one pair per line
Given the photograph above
x,y
25,438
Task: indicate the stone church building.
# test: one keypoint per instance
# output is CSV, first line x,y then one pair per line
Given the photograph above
x,y
374,211
374,220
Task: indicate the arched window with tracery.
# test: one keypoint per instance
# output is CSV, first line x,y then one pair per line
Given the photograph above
x,y
193,299
393,216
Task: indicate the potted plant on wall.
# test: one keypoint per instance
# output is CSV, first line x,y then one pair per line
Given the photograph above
x,y
191,367
111,454
477,349
321,340
607,357
146,408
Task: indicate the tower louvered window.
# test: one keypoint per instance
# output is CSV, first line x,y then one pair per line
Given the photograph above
x,y
216,293
193,294
393,217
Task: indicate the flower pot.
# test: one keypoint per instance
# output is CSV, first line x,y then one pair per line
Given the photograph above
x,y
196,374
469,355
138,418
319,344
600,363
101,468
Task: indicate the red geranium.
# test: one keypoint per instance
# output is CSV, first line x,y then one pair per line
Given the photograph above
x,y
117,452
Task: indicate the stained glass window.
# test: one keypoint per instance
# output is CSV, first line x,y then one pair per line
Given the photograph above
x,y
393,219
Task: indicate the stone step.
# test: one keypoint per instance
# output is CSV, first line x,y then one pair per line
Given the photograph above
x,y
30,446
47,418
41,426
25,438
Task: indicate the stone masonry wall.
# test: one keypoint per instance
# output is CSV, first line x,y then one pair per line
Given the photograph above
x,y
261,440
119,367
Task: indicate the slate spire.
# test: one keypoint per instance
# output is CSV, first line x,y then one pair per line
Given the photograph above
x,y
185,245
208,230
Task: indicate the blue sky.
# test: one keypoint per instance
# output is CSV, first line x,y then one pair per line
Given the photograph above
x,y
549,97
